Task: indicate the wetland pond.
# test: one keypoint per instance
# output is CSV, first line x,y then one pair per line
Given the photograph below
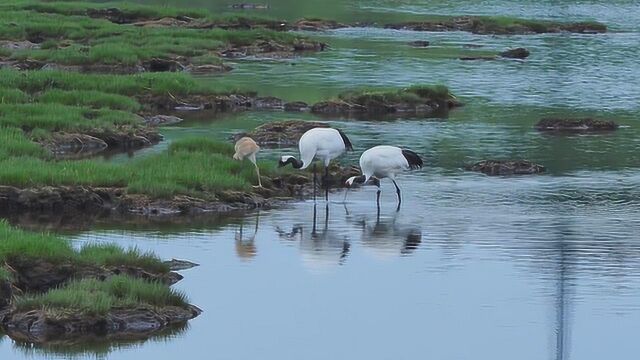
x,y
471,267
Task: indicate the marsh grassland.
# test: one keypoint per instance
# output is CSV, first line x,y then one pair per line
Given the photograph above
x,y
117,129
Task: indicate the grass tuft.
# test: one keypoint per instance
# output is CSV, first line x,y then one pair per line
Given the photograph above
x,y
95,297
16,243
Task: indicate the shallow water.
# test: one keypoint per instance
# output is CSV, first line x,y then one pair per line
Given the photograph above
x,y
471,267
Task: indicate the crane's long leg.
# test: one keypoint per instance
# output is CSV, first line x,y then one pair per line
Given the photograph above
x,y
258,172
326,183
397,192
378,199
314,182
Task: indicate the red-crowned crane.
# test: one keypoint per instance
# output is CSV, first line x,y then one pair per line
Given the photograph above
x,y
324,144
385,161
247,148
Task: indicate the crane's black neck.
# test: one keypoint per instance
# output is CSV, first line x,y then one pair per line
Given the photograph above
x,y
297,164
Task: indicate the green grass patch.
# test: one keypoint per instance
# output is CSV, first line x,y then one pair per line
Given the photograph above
x,y
99,41
94,297
16,243
416,94
5,275
128,85
91,98
200,167
506,24
12,96
57,117
13,142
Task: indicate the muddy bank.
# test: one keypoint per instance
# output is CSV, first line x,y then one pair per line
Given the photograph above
x,y
40,275
506,167
576,125
117,201
153,103
272,49
152,65
280,133
92,142
44,326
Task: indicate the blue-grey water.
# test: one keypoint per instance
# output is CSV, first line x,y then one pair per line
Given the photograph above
x,y
471,267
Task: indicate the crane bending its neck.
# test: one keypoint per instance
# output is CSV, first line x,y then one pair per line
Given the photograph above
x,y
287,159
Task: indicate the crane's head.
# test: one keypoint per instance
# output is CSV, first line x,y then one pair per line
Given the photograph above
x,y
285,159
362,180
355,180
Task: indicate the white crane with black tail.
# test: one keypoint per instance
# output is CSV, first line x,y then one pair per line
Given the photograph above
x,y
384,161
324,144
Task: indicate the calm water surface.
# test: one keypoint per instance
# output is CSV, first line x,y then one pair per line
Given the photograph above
x,y
471,267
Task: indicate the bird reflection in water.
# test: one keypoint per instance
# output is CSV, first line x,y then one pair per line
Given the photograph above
x,y
320,247
387,236
245,244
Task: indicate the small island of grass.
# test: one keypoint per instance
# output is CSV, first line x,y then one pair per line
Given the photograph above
x,y
417,99
47,285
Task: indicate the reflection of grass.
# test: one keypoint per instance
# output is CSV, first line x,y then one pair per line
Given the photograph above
x,y
17,243
95,297
93,347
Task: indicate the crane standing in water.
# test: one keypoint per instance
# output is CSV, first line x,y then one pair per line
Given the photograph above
x,y
385,161
324,144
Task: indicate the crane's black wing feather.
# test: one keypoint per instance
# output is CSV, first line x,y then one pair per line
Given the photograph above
x,y
345,139
414,160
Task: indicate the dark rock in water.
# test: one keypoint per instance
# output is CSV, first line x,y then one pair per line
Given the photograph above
x,y
63,144
281,133
41,326
177,265
268,103
506,167
162,65
336,107
302,45
317,25
419,43
518,53
576,125
247,6
296,106
160,120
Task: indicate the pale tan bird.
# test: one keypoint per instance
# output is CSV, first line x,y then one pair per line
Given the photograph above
x,y
247,148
